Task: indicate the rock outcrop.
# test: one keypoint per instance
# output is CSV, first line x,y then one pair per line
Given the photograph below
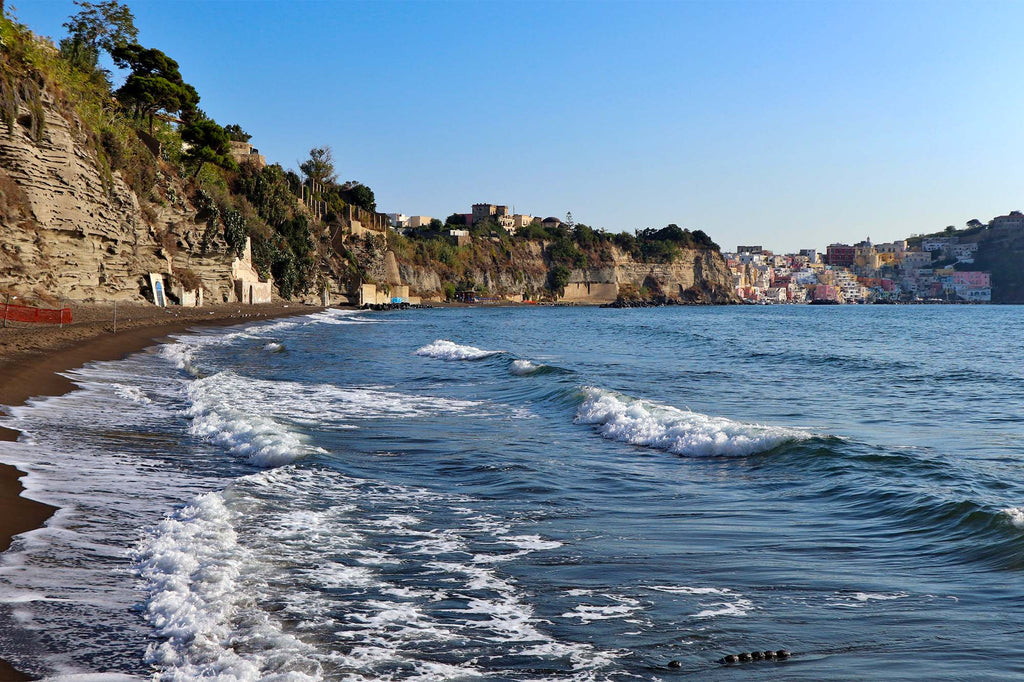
x,y
696,276
66,231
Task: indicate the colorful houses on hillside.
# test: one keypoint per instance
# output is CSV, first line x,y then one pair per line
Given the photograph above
x,y
862,273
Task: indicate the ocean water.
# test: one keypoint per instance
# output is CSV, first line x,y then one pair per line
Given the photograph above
x,y
534,494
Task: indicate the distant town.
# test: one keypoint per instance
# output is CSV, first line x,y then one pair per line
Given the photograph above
x,y
921,270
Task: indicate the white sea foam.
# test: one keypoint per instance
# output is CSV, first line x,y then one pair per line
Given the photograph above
x,y
442,349
712,601
857,600
335,316
132,393
213,564
222,420
183,352
192,565
257,419
641,422
874,596
94,677
683,589
738,607
523,368
1015,515
530,542
587,613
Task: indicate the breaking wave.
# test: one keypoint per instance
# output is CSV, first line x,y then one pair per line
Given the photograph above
x,y
1015,515
442,349
524,368
640,422
220,414
192,565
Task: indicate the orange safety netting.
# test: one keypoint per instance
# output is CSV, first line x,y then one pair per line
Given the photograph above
x,y
24,313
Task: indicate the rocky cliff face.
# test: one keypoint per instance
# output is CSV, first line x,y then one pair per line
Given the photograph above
x,y
697,276
66,231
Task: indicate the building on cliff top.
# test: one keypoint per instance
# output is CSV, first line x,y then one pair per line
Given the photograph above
x,y
243,152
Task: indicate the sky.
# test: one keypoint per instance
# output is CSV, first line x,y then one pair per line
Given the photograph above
x,y
786,124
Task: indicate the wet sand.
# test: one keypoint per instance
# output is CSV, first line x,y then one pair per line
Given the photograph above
x,y
32,355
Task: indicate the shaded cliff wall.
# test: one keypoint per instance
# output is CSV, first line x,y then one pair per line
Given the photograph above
x,y
68,231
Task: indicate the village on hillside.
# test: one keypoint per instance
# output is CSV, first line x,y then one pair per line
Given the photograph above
x,y
937,268
862,273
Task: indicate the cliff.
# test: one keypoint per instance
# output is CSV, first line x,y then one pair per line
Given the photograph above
x,y
523,270
66,231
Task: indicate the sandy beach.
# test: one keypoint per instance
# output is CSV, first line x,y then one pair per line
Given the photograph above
x,y
32,356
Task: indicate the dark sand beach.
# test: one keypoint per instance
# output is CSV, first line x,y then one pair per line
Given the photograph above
x,y
32,357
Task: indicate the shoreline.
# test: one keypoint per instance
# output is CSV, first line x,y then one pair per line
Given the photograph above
x,y
33,358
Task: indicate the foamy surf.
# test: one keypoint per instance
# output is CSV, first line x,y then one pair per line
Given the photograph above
x,y
640,422
193,567
396,611
1015,515
442,349
523,368
219,414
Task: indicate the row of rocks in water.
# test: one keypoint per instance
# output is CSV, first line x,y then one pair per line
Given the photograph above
x,y
779,655
655,302
394,306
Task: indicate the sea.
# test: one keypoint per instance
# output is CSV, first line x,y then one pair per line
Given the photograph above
x,y
533,493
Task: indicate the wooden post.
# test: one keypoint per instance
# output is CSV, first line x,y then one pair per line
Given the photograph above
x,y
6,307
60,312
115,317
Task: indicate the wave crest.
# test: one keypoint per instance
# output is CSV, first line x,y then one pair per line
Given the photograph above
x,y
443,349
260,439
1015,515
682,432
192,565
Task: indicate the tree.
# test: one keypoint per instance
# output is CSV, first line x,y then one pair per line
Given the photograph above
x,y
975,224
436,225
358,194
455,219
236,134
207,142
584,235
97,26
155,84
558,278
319,167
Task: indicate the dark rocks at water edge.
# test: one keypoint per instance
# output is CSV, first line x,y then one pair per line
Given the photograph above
x,y
394,306
767,655
656,302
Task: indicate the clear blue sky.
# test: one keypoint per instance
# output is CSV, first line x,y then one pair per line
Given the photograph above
x,y
787,124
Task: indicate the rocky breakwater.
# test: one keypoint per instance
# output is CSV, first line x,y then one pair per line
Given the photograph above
x,y
70,228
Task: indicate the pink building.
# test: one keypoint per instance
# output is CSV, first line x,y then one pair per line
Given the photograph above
x,y
972,278
826,292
